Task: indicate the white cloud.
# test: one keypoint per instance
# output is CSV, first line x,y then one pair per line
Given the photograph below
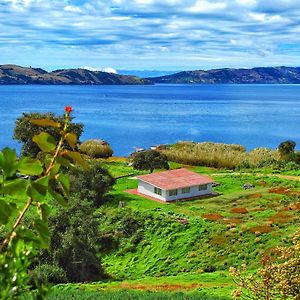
x,y
74,9
203,6
106,69
261,17
246,2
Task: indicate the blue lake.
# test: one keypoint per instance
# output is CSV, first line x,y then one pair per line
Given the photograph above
x,y
128,116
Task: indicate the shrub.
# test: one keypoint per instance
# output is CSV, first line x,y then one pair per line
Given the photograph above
x,y
96,149
150,160
91,184
49,273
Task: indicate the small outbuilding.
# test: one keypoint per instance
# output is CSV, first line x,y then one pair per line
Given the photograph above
x,y
174,185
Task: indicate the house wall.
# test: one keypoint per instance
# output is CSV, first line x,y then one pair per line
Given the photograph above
x,y
194,192
148,189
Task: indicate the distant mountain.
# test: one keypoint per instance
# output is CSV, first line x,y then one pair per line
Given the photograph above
x,y
12,74
146,73
268,75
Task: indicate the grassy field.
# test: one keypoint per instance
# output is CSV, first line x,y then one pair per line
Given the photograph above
x,y
187,247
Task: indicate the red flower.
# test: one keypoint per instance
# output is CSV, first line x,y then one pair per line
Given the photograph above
x,y
68,109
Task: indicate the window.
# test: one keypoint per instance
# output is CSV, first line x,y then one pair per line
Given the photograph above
x,y
185,190
202,187
173,192
157,191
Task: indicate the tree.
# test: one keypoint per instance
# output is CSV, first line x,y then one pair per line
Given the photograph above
x,y
25,130
73,246
150,160
25,187
91,184
287,149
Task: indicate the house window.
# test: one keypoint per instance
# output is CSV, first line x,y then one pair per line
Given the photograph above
x,y
157,191
185,190
173,192
202,187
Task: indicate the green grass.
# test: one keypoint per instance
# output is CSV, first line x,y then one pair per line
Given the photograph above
x,y
154,251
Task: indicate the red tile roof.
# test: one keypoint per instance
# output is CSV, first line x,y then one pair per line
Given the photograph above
x,y
174,179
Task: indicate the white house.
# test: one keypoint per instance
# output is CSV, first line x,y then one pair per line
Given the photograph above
x,y
174,185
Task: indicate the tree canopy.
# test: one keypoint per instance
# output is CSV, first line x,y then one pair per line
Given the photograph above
x,y
25,130
150,160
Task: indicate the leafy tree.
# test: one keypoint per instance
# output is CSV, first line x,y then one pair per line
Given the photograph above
x,y
25,130
31,192
150,160
73,245
286,149
91,184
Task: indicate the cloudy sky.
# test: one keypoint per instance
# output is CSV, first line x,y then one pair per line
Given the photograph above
x,y
150,34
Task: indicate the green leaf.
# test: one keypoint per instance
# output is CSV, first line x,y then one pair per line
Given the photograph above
x,y
45,122
6,210
44,211
38,189
45,141
8,161
43,231
30,166
58,197
77,158
71,138
65,182
41,185
15,187
54,170
63,161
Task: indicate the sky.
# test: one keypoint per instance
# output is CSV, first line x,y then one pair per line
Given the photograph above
x,y
149,34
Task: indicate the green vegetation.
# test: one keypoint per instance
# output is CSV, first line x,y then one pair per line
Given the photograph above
x,y
150,160
133,247
221,155
25,129
96,149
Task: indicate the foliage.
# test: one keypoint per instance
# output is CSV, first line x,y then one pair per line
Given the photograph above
x,y
46,273
286,149
96,149
150,160
25,185
279,277
73,245
91,184
25,130
220,155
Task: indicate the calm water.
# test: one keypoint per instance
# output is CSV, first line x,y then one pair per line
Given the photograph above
x,y
128,116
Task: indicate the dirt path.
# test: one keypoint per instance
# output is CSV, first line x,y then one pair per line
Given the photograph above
x,y
288,177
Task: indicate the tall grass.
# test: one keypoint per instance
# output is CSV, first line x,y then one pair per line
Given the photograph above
x,y
220,155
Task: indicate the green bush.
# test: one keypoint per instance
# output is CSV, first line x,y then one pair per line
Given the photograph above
x,y
96,149
91,184
49,273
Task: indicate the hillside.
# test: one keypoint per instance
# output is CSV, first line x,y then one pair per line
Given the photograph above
x,y
12,74
276,75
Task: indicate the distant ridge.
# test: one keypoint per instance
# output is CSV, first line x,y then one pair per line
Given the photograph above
x,y
267,75
13,74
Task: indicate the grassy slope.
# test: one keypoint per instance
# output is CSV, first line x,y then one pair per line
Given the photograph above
x,y
170,252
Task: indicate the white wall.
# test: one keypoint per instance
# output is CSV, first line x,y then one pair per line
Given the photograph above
x,y
194,192
148,189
